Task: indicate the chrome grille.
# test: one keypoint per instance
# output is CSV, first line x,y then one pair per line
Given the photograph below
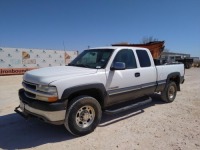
x,y
31,91
30,95
30,85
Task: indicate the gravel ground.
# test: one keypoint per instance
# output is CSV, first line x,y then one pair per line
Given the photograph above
x,y
155,126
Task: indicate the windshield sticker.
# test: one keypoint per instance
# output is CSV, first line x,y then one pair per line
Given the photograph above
x,y
98,67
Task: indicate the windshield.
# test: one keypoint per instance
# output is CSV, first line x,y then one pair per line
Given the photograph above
x,y
95,58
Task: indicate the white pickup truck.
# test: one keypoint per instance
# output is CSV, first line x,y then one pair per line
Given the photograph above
x,y
94,82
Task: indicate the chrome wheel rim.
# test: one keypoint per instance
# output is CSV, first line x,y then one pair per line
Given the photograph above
x,y
171,92
85,116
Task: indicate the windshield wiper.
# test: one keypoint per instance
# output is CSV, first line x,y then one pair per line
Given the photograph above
x,y
69,64
79,65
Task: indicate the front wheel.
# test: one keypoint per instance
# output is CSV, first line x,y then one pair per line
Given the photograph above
x,y
83,115
169,93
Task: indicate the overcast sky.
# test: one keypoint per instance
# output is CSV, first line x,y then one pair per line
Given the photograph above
x,y
77,24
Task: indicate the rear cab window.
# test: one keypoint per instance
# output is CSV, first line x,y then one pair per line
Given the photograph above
x,y
143,58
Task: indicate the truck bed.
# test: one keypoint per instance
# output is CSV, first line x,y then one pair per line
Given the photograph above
x,y
164,70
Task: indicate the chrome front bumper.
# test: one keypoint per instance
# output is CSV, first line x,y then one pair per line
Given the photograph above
x,y
53,113
55,117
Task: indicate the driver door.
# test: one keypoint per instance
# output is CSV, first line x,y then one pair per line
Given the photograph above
x,y
123,85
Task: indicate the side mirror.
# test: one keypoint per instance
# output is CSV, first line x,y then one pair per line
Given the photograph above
x,y
118,66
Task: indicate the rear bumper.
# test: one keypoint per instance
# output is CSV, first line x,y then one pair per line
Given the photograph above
x,y
53,113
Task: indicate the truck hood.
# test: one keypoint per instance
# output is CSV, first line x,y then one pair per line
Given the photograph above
x,y
47,75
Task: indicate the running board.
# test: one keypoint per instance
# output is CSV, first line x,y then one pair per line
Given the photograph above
x,y
132,106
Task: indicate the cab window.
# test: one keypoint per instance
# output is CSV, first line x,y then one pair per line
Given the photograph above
x,y
126,56
143,58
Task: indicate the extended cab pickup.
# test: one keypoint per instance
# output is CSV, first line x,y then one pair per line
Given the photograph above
x,y
94,82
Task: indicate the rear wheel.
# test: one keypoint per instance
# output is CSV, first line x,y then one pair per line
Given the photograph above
x,y
83,115
169,93
187,66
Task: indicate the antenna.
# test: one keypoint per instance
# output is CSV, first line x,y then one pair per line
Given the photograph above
x,y
64,45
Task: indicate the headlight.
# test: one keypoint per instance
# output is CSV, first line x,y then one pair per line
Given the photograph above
x,y
51,93
47,89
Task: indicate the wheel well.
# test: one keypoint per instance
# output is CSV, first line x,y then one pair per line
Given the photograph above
x,y
176,79
95,93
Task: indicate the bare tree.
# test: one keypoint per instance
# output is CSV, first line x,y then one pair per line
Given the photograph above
x,y
146,40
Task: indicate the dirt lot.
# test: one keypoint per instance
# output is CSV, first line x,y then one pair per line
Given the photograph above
x,y
156,126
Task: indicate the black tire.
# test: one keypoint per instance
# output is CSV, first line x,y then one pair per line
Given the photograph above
x,y
83,115
169,93
187,66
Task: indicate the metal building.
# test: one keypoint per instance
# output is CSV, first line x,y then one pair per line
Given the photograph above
x,y
172,57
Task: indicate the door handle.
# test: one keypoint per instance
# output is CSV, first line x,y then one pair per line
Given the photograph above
x,y
137,74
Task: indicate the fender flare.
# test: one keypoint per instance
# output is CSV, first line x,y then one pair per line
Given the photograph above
x,y
174,74
97,86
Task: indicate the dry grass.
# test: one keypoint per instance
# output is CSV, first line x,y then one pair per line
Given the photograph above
x,y
196,63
